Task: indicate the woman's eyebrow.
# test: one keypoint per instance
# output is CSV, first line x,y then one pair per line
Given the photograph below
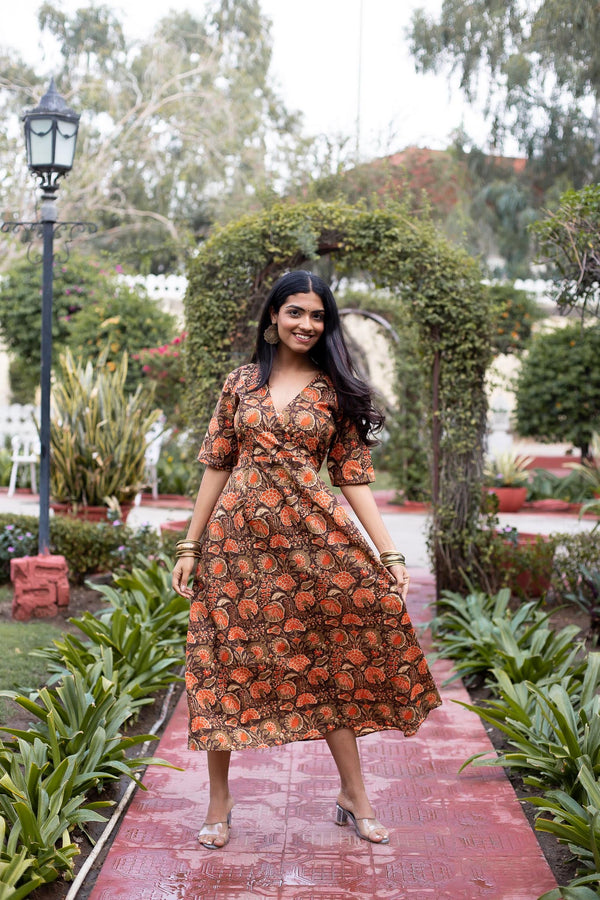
x,y
304,309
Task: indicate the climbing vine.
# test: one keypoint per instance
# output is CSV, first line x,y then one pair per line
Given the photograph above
x,y
435,288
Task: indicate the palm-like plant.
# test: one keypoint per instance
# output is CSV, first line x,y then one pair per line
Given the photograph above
x,y
98,433
507,470
590,467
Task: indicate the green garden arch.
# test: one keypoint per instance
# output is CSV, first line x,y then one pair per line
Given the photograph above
x,y
434,286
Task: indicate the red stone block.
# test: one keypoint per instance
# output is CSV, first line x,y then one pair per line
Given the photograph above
x,y
41,586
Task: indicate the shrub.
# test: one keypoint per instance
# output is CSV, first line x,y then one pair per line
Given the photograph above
x,y
503,559
76,742
577,825
123,321
575,553
481,634
77,284
515,312
15,542
178,469
558,391
98,433
544,485
89,547
164,365
549,737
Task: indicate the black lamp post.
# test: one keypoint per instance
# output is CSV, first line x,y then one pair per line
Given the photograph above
x,y
50,138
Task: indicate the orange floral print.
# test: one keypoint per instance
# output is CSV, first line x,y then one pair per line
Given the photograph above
x,y
295,627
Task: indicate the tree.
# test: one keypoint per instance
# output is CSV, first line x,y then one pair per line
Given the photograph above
x,y
177,131
91,311
558,390
569,244
514,312
540,61
122,321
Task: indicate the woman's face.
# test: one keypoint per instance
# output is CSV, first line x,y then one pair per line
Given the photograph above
x,y
300,321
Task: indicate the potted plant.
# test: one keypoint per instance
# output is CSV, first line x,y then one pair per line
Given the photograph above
x,y
97,438
525,559
589,469
506,476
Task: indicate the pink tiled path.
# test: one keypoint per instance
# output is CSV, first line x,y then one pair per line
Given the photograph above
x,y
453,837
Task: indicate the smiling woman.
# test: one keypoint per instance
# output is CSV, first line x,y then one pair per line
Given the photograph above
x,y
298,629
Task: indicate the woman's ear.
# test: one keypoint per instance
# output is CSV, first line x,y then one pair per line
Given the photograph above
x,y
273,315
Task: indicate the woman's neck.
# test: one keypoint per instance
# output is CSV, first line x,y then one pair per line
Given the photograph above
x,y
292,363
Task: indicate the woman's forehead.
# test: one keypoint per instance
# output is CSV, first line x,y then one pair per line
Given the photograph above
x,y
310,301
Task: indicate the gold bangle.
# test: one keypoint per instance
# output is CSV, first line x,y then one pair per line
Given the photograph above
x,y
182,553
385,553
187,545
392,558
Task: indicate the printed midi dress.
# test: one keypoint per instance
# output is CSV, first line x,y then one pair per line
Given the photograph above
x,y
296,628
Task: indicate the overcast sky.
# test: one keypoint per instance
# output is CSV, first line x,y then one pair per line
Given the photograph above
x,y
316,66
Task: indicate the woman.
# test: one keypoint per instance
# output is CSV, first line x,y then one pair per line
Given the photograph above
x,y
298,630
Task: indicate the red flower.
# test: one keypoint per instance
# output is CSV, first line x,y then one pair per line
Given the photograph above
x,y
299,663
205,697
343,580
285,582
303,600
286,690
294,625
356,657
345,680
317,674
259,689
306,700
241,675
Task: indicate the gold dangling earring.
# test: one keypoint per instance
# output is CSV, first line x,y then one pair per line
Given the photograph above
x,y
271,335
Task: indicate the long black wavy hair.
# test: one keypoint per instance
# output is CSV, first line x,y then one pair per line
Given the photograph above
x,y
330,353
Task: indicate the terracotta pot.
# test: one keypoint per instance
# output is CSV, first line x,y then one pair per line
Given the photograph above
x,y
414,506
179,525
531,583
510,499
552,505
89,513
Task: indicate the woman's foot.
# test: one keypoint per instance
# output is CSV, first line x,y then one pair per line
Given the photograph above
x,y
362,816
214,834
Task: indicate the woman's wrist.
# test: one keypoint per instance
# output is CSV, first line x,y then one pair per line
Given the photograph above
x,y
391,558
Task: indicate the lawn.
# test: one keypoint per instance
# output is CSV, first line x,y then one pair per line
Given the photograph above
x,y
18,669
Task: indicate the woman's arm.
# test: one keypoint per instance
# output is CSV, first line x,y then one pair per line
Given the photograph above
x,y
211,486
362,501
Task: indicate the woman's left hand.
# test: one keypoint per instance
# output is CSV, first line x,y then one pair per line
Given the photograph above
x,y
400,573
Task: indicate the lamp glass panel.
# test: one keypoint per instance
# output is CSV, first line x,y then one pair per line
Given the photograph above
x,y
66,136
41,142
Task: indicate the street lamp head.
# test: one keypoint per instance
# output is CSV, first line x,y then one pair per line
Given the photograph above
x,y
50,138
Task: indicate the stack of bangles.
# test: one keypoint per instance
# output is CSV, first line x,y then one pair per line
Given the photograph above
x,y
187,548
392,558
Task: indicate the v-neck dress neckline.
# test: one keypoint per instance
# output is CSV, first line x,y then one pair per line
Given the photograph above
x,y
294,398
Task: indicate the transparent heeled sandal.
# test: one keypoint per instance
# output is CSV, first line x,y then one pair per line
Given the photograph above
x,y
363,827
212,830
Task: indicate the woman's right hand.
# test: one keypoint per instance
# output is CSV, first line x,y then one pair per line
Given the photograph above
x,y
182,572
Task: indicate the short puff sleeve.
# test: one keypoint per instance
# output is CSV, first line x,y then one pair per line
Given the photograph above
x,y
220,448
349,458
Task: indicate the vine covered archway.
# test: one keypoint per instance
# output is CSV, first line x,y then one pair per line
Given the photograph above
x,y
436,287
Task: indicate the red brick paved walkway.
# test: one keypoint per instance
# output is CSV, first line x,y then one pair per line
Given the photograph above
x,y
453,837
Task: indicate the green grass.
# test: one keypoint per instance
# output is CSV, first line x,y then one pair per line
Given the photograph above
x,y
18,669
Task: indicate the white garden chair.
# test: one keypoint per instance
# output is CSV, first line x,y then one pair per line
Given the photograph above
x,y
17,424
155,438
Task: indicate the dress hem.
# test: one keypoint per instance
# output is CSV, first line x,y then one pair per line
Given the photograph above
x,y
410,731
